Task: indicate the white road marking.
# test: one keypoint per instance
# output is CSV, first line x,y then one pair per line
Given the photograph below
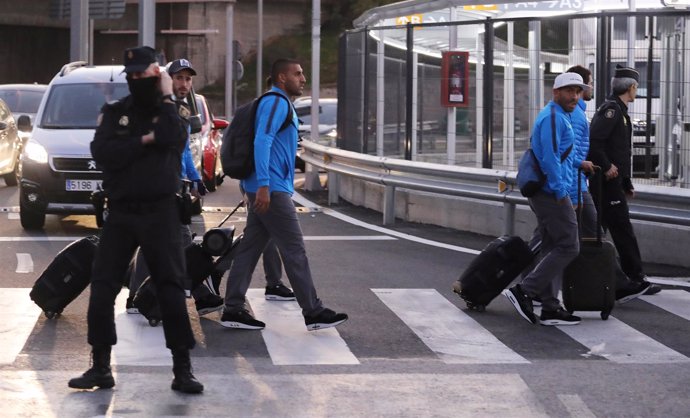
x,y
138,343
252,394
618,342
448,331
577,408
287,339
675,301
348,238
25,264
672,281
19,315
13,216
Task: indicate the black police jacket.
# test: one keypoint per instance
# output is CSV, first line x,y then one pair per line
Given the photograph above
x,y
610,136
134,171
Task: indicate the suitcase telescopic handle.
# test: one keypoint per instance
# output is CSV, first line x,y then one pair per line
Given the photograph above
x,y
598,203
239,205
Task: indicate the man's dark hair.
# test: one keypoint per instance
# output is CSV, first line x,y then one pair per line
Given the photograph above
x,y
280,66
582,71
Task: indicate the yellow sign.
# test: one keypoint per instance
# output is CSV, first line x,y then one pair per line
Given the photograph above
x,y
481,7
404,20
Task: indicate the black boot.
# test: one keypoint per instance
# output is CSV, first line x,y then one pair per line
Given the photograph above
x,y
99,374
184,380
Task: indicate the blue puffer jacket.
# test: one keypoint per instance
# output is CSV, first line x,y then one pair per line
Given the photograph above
x,y
580,149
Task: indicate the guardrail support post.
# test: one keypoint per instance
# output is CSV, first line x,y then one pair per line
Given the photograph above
x,y
389,205
508,218
333,192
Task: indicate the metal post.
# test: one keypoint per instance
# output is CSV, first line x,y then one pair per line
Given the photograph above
x,y
365,92
413,99
451,112
536,89
389,205
650,74
333,188
487,148
311,175
79,25
603,83
259,49
508,218
147,23
409,84
229,64
509,102
380,93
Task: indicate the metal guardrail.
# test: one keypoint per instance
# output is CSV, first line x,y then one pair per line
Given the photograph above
x,y
666,205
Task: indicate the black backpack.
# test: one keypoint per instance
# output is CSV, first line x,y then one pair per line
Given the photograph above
x,y
237,151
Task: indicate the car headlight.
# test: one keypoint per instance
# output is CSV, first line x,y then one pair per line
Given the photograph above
x,y
35,152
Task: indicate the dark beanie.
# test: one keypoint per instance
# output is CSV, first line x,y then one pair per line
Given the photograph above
x,y
626,72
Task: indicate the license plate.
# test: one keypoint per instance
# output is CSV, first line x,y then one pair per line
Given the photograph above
x,y
82,185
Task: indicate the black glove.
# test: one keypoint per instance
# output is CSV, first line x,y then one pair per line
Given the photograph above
x,y
201,187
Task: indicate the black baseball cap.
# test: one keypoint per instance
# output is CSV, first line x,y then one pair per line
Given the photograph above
x,y
139,58
179,65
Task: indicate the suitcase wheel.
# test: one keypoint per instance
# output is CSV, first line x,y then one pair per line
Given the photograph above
x,y
605,315
476,307
154,322
50,314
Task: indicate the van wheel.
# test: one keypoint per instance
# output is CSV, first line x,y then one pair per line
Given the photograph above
x,y
31,219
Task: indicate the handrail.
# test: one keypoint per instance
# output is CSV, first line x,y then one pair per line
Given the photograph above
x,y
661,204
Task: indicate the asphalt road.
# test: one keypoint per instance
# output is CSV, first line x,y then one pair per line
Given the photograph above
x,y
410,348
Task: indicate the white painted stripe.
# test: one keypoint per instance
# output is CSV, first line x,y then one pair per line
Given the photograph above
x,y
19,315
330,212
576,406
138,343
38,239
618,342
287,338
672,281
25,264
675,301
448,331
12,216
348,238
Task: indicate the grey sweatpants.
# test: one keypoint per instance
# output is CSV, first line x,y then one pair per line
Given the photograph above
x,y
280,224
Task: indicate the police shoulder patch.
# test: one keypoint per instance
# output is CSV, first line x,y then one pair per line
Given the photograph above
x,y
610,113
183,111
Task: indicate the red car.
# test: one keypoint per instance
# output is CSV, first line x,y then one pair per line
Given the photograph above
x,y
211,139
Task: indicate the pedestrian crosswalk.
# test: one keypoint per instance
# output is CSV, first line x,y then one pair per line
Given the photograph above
x,y
449,333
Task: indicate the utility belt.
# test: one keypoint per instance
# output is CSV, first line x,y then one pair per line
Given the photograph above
x,y
183,201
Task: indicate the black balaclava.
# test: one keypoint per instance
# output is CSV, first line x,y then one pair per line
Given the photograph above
x,y
144,91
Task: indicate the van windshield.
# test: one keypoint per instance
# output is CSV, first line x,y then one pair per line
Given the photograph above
x,y
76,106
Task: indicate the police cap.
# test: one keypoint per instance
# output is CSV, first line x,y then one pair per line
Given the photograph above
x,y
139,58
626,72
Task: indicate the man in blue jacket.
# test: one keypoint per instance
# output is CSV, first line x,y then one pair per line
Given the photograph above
x,y
271,213
552,142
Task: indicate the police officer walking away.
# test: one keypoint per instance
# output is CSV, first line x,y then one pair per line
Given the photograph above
x,y
611,149
138,143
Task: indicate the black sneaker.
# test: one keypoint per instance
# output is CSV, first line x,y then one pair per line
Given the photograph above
x,y
279,292
558,317
521,302
210,303
325,319
241,319
129,306
634,290
536,301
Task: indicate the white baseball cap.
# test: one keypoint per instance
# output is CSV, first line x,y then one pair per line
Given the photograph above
x,y
569,79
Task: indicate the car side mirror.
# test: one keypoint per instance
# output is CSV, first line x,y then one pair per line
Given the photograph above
x,y
195,124
24,123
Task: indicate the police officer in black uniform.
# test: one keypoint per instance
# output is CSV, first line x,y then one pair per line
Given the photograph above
x,y
610,138
138,144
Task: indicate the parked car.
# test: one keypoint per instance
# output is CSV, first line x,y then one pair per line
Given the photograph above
x,y
328,119
211,140
10,145
23,99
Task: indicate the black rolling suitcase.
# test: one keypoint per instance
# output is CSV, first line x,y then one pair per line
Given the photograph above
x,y
493,270
66,276
146,301
589,281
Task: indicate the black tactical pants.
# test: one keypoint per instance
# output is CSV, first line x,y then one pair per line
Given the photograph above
x,y
155,228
